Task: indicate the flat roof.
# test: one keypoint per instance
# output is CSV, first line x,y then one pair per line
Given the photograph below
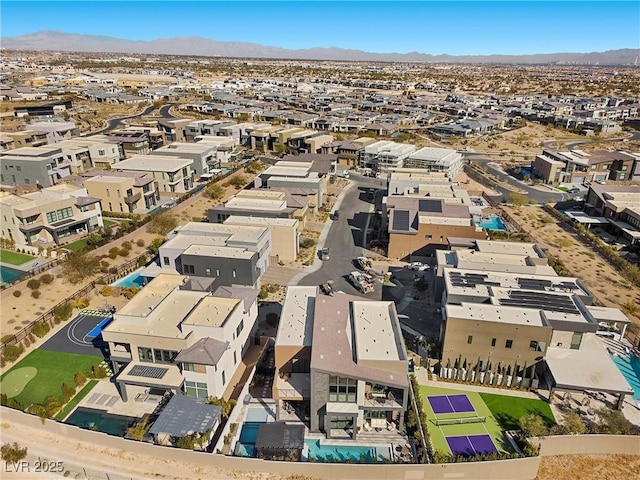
x,y
588,368
375,335
219,251
211,311
508,248
585,219
496,313
265,204
241,234
267,222
606,314
153,163
296,319
476,282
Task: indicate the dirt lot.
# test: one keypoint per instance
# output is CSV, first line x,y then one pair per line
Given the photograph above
x,y
594,467
608,286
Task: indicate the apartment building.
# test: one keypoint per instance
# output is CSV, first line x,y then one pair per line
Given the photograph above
x,y
577,166
176,338
173,174
382,155
436,160
44,166
123,192
49,215
343,359
234,255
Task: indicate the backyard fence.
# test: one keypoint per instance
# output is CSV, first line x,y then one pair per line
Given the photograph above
x,y
48,316
33,272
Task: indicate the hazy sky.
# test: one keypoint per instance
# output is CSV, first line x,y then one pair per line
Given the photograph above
x,y
453,27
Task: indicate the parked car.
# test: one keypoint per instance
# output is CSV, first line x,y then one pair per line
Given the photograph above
x,y
418,266
574,190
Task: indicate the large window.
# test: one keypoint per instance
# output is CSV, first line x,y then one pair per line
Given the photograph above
x,y
340,422
164,356
342,389
59,214
188,269
145,354
536,346
196,389
239,327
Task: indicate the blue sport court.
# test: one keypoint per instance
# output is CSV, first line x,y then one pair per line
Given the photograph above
x,y
450,404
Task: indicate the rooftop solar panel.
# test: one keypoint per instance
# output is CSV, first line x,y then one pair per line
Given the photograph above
x,y
433,206
401,220
149,372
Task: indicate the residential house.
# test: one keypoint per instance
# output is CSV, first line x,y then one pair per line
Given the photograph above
x,y
49,215
234,255
285,237
44,166
293,174
429,159
173,337
343,359
55,129
382,155
174,175
202,154
174,129
254,202
123,192
620,206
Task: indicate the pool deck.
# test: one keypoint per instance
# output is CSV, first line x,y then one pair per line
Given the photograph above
x,y
105,396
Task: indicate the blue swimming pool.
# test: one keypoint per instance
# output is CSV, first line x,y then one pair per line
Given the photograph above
x,y
630,369
492,223
346,453
8,275
132,280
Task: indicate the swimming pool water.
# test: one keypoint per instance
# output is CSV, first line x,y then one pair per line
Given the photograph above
x,y
344,453
249,432
630,369
493,223
100,420
8,275
132,280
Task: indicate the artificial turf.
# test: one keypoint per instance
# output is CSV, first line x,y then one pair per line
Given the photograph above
x,y
14,258
438,433
508,410
54,369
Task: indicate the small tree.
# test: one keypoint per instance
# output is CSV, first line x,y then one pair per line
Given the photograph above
x,y
215,191
226,406
532,426
613,422
80,379
573,424
516,199
162,223
238,182
40,329
80,265
13,452
63,312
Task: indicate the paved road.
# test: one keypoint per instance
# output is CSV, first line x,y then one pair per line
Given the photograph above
x,y
534,193
164,111
115,123
345,238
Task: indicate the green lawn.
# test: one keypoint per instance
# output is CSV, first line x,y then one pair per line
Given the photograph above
x,y
438,433
14,258
76,400
109,223
54,369
78,245
508,410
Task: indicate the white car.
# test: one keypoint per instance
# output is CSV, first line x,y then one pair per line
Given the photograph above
x,y
419,266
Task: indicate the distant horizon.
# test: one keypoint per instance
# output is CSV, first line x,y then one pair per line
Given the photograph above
x,y
459,28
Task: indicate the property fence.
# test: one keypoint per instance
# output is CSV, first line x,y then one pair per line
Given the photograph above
x,y
48,316
37,270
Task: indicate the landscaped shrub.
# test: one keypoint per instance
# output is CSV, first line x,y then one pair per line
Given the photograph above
x,y
35,294
104,264
126,245
82,302
106,291
123,252
17,293
33,284
142,261
80,379
10,353
40,329
47,278
140,242
63,312
113,252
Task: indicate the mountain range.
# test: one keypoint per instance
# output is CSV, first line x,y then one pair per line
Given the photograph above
x,y
197,46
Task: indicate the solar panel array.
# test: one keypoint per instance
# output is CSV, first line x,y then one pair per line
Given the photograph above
x,y
433,206
470,279
539,300
149,372
539,284
401,220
